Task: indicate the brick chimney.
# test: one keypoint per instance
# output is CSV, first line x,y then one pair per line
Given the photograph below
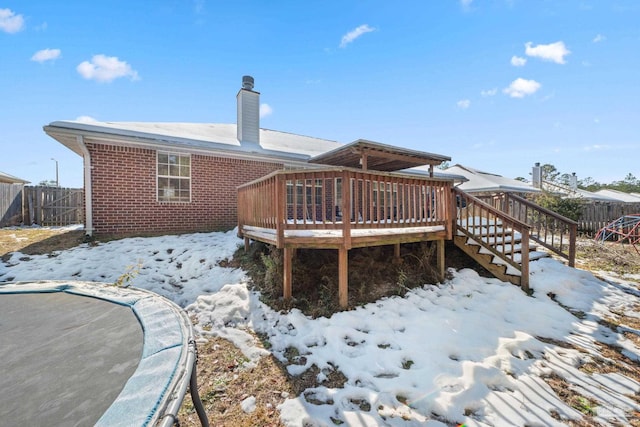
x,y
573,181
536,176
248,112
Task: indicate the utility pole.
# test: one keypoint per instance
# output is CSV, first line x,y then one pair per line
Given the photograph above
x,y
57,181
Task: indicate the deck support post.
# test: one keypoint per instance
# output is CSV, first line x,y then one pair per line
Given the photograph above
x,y
440,258
396,251
288,276
246,244
524,261
343,277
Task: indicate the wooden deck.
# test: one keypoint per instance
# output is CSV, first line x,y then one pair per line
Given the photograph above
x,y
344,208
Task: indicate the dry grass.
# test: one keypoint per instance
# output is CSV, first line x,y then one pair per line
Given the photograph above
x,y
608,256
37,240
620,259
223,383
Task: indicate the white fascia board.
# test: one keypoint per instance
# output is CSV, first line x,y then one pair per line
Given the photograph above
x,y
140,139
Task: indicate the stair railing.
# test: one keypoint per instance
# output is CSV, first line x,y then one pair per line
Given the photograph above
x,y
495,231
549,229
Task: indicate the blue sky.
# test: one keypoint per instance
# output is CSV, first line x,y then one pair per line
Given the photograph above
x,y
495,84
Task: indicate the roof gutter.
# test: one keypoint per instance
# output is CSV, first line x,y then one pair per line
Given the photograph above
x,y
151,141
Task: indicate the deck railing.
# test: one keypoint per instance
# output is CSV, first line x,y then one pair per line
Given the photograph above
x,y
341,198
549,229
501,234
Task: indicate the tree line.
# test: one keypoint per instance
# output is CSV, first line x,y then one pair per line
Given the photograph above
x,y
630,184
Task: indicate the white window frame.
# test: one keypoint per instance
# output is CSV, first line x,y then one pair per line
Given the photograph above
x,y
169,176
307,185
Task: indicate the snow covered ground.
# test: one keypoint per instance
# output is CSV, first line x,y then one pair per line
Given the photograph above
x,y
470,351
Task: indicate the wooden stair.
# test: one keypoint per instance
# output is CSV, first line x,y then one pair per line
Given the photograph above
x,y
481,252
497,231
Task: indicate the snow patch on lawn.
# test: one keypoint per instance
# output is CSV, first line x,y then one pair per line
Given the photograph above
x,y
473,350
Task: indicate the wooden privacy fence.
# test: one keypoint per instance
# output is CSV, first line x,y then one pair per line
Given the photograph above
x,y
596,215
53,206
10,204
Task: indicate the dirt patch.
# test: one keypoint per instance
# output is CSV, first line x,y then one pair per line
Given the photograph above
x,y
38,240
224,383
620,258
374,273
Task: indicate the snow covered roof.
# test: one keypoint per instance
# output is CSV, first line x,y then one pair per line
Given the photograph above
x,y
485,182
10,179
575,193
619,195
214,137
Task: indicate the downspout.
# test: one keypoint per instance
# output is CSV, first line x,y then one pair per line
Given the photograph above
x,y
88,207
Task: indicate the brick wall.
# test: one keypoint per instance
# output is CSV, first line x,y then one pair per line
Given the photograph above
x,y
124,192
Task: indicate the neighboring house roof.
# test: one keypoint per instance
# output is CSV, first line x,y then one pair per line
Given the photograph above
x,y
206,137
437,173
380,157
620,196
575,193
485,182
10,179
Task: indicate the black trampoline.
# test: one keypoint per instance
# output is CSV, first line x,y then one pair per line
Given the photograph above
x,y
78,354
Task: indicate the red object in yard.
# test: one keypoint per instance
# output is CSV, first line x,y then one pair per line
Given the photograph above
x,y
625,229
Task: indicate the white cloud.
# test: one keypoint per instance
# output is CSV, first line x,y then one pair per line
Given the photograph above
x,y
46,55
477,145
85,119
548,97
106,69
599,38
463,104
265,110
597,147
354,34
198,6
489,92
554,52
519,88
10,22
518,61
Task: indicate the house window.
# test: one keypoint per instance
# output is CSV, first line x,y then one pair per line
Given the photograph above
x,y
310,186
174,177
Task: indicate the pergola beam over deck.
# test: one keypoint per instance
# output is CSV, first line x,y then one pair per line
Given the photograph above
x,y
369,155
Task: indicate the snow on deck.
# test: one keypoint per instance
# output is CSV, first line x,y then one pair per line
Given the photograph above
x,y
355,232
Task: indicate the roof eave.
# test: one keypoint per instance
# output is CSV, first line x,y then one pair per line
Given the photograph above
x,y
61,132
